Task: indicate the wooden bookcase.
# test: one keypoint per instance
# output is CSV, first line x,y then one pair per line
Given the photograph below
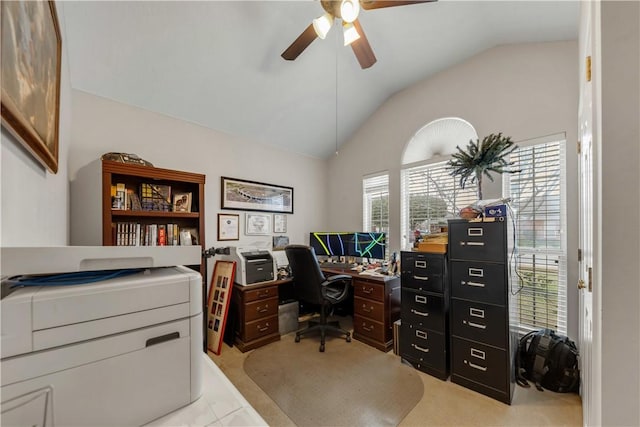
x,y
93,221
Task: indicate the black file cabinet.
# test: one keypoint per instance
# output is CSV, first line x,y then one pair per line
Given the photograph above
x,y
424,332
482,353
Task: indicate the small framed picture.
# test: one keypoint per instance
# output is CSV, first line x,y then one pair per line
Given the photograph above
x,y
257,224
182,202
228,227
279,223
280,242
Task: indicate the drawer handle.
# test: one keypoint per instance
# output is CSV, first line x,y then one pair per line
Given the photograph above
x,y
262,309
476,312
419,313
476,325
476,272
263,294
476,284
421,299
367,291
422,349
367,309
263,329
474,232
421,278
366,329
421,264
478,367
478,353
422,334
475,243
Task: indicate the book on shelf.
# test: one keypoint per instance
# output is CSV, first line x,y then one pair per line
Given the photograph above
x,y
133,201
162,235
118,200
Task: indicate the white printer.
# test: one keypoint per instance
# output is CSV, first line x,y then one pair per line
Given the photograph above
x,y
253,265
122,351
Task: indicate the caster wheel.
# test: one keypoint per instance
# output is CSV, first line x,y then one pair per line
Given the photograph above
x,y
297,338
321,348
348,338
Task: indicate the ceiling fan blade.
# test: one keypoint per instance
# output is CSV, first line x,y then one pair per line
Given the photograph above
x,y
300,44
379,4
362,48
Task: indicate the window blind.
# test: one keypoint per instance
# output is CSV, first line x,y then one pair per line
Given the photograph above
x,y
538,200
430,195
375,204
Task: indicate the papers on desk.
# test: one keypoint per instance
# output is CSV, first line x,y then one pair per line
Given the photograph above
x,y
371,273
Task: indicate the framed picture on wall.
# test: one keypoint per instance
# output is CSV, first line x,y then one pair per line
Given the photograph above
x,y
257,224
228,227
279,223
255,196
31,59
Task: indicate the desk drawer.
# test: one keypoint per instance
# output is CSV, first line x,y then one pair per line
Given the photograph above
x,y
369,290
260,328
369,328
423,310
373,310
261,294
479,322
479,363
259,309
478,281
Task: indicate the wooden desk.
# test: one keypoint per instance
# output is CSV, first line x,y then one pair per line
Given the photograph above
x,y
376,305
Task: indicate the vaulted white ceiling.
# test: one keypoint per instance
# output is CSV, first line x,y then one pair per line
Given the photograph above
x,y
218,63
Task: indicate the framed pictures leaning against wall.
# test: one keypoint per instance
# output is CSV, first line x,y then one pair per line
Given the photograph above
x,y
31,59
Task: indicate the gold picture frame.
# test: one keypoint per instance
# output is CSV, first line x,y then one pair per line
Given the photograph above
x,y
31,61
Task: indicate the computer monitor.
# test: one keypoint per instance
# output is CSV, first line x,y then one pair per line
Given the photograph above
x,y
330,243
367,245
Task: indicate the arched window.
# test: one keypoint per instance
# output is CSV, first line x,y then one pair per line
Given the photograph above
x,y
429,193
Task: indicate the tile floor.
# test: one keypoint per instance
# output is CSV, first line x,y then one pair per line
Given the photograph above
x,y
221,404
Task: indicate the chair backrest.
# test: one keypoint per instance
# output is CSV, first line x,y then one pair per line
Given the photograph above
x,y
306,272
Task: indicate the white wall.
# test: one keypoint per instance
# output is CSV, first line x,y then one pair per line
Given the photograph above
x,y
620,195
101,125
523,90
35,203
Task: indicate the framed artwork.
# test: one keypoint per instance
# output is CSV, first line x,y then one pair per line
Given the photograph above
x,y
228,227
280,242
279,223
257,224
31,57
255,196
218,303
182,202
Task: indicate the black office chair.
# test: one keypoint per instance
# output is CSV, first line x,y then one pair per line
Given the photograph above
x,y
311,286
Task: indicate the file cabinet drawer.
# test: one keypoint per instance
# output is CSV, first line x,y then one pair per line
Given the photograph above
x,y
481,241
479,322
423,310
478,281
260,328
368,328
259,309
424,272
373,310
369,290
480,363
423,345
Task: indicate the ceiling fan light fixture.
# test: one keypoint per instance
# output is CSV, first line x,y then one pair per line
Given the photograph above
x,y
350,33
322,25
349,10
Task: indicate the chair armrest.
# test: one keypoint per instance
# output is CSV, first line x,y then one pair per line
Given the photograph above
x,y
337,278
335,282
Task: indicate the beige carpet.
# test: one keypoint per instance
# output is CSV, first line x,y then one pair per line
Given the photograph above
x,y
350,384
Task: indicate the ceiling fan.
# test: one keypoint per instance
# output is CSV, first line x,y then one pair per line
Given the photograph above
x,y
347,11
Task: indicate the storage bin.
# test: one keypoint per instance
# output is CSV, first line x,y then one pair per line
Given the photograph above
x,y
288,317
